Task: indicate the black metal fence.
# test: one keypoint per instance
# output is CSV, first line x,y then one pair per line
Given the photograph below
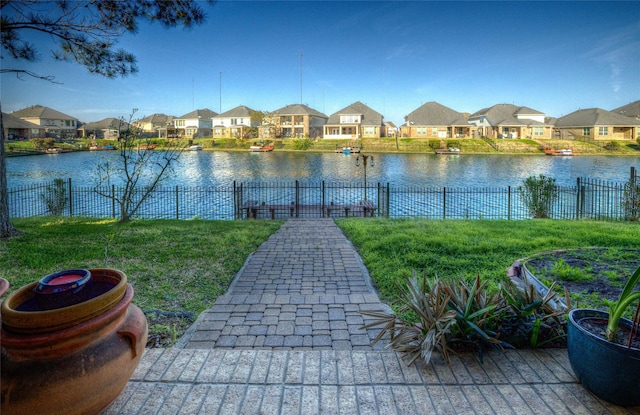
x,y
588,199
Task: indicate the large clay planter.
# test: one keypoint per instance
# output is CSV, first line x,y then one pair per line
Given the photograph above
x,y
72,360
609,370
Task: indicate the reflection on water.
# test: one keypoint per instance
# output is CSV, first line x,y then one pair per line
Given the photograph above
x,y
203,168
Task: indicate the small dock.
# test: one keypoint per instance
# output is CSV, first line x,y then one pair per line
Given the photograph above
x,y
253,209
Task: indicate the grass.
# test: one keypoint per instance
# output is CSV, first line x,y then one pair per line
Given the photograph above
x,y
391,249
183,266
176,266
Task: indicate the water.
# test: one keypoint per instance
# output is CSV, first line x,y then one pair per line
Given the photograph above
x,y
212,169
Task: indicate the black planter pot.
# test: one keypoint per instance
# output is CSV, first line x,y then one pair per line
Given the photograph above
x,y
609,370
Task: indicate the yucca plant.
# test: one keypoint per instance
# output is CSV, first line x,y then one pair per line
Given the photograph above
x,y
478,314
433,320
534,319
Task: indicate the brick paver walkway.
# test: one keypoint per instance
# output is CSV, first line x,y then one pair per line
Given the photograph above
x,y
286,339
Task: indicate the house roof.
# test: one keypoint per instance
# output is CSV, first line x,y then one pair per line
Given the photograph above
x,y
297,109
594,116
433,113
204,114
38,111
107,123
369,116
156,119
630,110
507,114
239,111
11,121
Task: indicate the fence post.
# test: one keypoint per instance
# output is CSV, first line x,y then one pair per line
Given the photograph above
x,y
177,204
297,199
70,197
388,200
509,203
323,198
235,201
444,203
113,201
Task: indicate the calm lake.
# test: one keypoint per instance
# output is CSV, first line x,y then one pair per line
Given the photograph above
x,y
211,169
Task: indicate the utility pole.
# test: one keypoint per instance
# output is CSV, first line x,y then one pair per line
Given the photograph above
x,y
300,77
220,92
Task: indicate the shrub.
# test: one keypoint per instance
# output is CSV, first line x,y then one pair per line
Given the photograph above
x,y
538,195
612,145
55,197
453,315
631,200
302,143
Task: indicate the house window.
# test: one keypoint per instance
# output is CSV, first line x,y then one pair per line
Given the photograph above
x,y
180,123
370,131
538,131
349,119
603,130
421,130
234,121
586,131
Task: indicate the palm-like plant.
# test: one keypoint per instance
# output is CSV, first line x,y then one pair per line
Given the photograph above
x,y
428,303
617,309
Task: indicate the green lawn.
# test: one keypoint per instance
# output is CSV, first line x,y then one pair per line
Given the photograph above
x,y
183,266
392,249
178,266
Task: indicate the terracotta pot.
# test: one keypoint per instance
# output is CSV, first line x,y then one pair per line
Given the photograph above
x,y
82,365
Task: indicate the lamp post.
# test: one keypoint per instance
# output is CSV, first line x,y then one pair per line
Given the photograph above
x,y
365,159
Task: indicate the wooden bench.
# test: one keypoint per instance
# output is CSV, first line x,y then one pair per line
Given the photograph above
x,y
247,206
368,207
272,209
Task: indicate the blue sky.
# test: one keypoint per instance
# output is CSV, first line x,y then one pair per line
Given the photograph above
x,y
555,57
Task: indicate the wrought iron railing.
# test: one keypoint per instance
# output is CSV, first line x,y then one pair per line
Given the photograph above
x,y
588,199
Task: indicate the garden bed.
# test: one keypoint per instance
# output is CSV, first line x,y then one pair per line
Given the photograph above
x,y
594,277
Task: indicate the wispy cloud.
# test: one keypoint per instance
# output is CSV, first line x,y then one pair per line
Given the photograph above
x,y
620,52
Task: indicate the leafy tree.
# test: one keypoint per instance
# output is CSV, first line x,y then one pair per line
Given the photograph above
x,y
81,31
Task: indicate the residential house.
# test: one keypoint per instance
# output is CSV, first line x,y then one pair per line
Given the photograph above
x,y
194,124
108,129
510,121
155,125
597,124
630,110
54,123
433,120
391,128
18,129
238,122
296,120
355,121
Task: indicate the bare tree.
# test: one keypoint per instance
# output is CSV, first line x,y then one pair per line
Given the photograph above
x,y
131,180
83,31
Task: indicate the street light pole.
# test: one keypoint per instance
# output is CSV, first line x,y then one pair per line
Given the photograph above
x,y
365,159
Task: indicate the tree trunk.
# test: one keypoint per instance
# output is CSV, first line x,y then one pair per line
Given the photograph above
x,y
6,227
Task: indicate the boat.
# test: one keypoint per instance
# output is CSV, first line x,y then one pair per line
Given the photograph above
x,y
448,150
257,149
195,147
346,150
559,152
148,147
53,150
107,147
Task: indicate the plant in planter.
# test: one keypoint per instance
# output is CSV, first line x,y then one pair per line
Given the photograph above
x,y
606,365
